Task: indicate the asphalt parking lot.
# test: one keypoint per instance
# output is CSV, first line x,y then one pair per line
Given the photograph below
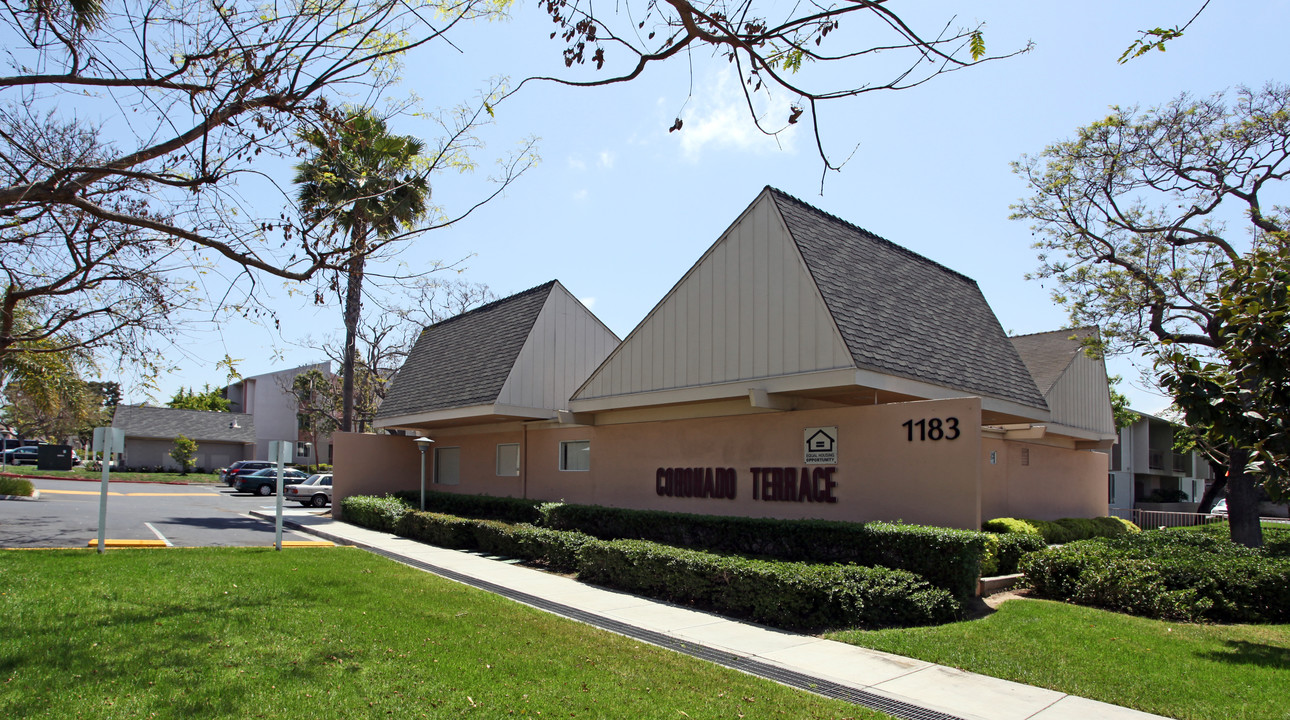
x,y
67,512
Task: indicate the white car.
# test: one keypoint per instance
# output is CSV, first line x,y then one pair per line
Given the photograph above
x,y
1220,508
316,491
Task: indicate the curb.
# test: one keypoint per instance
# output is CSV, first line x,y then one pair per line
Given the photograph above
x,y
34,496
99,480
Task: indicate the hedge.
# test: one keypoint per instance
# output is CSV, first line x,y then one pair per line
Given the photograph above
x,y
1167,575
949,559
1003,552
795,596
1276,540
16,486
557,550
377,513
484,507
1057,532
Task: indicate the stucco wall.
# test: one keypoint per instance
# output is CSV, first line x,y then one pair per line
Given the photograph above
x,y
1041,482
881,473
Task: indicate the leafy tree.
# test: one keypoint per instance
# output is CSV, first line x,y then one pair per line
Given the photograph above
x,y
1124,415
365,182
184,452
45,396
208,399
1135,218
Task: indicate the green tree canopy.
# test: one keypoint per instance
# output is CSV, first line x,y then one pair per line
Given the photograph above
x,y
208,399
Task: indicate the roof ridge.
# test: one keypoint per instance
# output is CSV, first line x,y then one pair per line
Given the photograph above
x,y
1058,330
857,228
546,285
145,406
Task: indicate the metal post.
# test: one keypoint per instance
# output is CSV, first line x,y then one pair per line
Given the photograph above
x,y
422,444
103,494
277,449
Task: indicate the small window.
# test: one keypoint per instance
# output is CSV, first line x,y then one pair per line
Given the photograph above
x,y
508,459
303,449
575,455
447,466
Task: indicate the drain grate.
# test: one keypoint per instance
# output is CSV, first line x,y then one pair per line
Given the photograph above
x,y
801,681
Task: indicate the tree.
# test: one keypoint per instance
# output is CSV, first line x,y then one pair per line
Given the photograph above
x,y
44,394
365,182
184,451
211,399
1133,216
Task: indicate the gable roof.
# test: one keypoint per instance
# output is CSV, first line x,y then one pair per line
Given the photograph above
x,y
162,423
464,361
1048,354
902,314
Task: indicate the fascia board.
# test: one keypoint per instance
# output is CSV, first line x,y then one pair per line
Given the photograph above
x,y
473,411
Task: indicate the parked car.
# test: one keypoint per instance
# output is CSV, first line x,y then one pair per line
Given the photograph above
x,y
1220,508
242,467
25,455
315,491
265,482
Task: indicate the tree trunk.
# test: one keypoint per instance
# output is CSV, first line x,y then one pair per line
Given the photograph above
x,y
353,313
1242,501
1211,493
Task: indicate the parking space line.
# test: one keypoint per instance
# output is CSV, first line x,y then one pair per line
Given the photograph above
x,y
157,532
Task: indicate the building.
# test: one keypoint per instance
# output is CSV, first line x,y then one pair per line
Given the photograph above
x,y
276,409
802,368
1145,469
222,438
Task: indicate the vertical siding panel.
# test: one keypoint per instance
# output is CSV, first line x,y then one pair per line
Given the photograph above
x,y
715,342
747,301
703,341
776,335
733,316
656,354
792,311
694,333
807,354
760,294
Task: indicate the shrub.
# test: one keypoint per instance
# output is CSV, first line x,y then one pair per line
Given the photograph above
x,y
1010,526
16,486
949,559
377,513
1056,532
508,509
1004,552
1175,575
795,596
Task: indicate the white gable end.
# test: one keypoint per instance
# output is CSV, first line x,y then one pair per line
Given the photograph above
x,y
747,310
565,344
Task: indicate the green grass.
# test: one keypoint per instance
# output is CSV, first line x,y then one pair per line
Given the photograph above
x,y
327,633
81,473
1173,669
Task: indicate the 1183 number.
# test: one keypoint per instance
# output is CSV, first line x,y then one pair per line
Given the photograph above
x,y
931,429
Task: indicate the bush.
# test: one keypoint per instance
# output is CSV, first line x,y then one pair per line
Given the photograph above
x,y
1004,552
507,509
1057,532
555,549
377,513
794,596
949,559
16,486
1276,540
1175,575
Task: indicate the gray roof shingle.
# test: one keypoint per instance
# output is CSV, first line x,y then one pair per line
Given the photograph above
x,y
145,421
1048,354
902,314
465,360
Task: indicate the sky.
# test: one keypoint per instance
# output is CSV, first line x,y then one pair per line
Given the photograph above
x,y
619,208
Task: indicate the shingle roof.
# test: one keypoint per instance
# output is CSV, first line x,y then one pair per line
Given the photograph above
x,y
144,421
1048,354
465,360
902,314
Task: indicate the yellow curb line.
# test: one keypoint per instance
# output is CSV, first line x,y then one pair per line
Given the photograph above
x,y
128,543
308,543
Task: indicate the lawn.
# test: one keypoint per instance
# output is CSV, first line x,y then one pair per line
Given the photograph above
x,y
81,473
1174,669
327,633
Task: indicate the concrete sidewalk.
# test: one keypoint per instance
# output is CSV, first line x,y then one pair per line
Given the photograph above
x,y
900,686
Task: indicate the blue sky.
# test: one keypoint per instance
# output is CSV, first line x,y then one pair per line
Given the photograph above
x,y
619,208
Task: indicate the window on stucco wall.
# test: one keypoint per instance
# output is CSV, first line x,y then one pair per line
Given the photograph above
x,y
508,459
447,466
575,455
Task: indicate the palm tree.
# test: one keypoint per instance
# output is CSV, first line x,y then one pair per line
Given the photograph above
x,y
362,181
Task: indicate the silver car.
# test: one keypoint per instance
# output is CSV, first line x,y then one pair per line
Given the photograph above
x,y
316,491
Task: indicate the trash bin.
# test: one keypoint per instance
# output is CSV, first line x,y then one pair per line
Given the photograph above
x,y
54,457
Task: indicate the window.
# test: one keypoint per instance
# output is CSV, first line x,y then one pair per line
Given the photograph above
x,y
447,465
303,449
508,459
575,455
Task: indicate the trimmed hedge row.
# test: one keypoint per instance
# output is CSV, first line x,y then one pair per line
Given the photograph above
x,y
1057,532
1168,575
788,595
794,596
16,486
1276,540
484,507
949,559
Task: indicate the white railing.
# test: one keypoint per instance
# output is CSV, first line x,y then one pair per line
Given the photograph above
x,y
1146,519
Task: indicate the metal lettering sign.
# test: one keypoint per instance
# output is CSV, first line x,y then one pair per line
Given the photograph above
x,y
820,446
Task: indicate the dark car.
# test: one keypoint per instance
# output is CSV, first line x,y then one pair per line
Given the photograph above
x,y
25,455
243,467
265,482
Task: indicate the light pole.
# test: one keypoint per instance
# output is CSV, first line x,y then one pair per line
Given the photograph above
x,y
423,443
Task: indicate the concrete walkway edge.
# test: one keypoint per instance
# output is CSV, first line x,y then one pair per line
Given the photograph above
x,y
902,687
